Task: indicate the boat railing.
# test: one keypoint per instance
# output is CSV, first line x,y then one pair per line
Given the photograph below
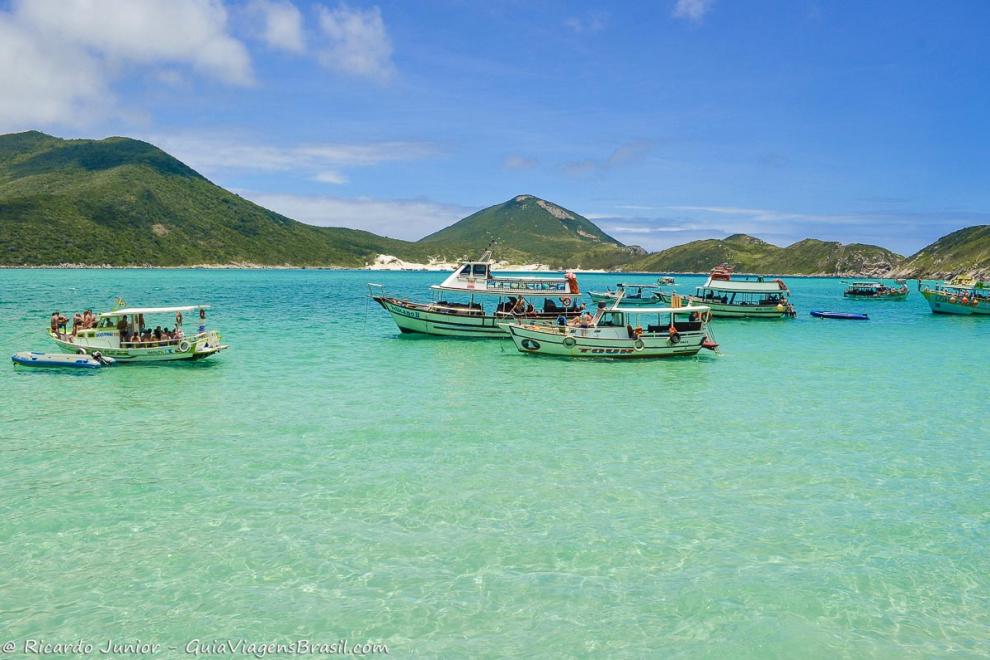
x,y
175,341
376,290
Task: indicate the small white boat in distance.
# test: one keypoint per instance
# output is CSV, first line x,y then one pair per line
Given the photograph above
x,y
126,336
619,332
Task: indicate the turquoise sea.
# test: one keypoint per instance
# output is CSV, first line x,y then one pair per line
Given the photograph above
x,y
818,490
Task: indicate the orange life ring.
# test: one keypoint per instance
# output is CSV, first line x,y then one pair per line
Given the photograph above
x,y
566,300
965,300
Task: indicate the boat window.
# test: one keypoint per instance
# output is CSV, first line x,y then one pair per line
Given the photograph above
x,y
466,271
480,270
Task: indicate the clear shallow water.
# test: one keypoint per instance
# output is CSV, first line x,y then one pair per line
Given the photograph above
x,y
820,489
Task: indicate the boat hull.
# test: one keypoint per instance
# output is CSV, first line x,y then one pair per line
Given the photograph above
x,y
943,302
416,318
197,347
626,301
58,361
840,316
549,341
891,296
732,311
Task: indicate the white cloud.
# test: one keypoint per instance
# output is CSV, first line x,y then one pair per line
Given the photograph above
x,y
58,58
692,10
519,162
625,154
409,219
46,83
592,22
193,32
217,154
283,28
329,176
357,43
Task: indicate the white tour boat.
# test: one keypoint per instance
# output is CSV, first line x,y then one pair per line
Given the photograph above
x,y
475,302
126,336
731,295
617,332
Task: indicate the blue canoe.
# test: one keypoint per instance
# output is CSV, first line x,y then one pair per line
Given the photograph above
x,y
81,361
846,316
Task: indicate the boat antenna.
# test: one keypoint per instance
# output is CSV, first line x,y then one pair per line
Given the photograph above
x,y
487,254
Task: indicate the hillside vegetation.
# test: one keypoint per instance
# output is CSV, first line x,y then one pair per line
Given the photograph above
x,y
748,254
966,251
532,230
120,201
124,202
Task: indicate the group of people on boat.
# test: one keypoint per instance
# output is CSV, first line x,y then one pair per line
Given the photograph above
x,y
142,335
59,322
520,307
131,331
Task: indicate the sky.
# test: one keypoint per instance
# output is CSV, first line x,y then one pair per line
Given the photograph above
x,y
663,121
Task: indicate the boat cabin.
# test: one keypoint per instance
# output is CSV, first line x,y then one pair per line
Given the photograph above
x,y
655,320
129,328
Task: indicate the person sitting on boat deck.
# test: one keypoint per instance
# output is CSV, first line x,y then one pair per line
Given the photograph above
x,y
158,333
76,323
89,320
582,321
530,310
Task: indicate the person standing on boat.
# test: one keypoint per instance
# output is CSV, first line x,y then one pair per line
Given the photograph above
x,y
202,320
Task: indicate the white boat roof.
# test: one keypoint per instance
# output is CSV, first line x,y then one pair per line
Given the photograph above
x,y
501,285
153,310
745,286
660,310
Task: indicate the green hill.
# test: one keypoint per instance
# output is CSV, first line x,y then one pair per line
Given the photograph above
x,y
532,230
120,201
751,255
966,251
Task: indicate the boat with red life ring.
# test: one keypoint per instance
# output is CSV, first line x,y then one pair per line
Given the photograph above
x,y
739,296
963,295
621,333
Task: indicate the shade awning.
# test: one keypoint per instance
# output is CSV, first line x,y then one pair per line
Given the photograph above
x,y
153,310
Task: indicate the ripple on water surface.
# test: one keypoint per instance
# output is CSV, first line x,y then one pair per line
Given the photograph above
x,y
818,489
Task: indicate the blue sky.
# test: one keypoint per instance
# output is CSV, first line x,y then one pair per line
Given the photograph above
x,y
664,121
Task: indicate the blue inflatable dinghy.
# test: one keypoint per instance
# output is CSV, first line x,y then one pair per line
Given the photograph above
x,y
79,361
847,316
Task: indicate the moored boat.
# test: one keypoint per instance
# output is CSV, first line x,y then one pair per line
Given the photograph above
x,y
874,290
124,335
845,316
475,302
962,295
739,296
96,360
669,331
631,294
